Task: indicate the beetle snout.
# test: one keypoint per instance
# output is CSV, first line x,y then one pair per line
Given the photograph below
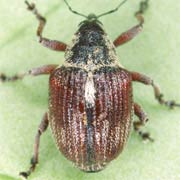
x,y
91,17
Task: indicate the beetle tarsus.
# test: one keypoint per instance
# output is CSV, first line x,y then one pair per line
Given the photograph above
x,y
139,14
144,135
5,78
24,174
142,7
33,163
169,103
30,6
143,119
42,20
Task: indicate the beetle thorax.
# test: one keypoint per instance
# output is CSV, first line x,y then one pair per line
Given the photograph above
x,y
91,48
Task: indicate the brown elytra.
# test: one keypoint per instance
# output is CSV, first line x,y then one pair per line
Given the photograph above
x,y
90,136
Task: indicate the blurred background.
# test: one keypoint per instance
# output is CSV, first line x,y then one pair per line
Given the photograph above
x,y
155,52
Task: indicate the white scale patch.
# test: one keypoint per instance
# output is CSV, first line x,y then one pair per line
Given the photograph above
x,y
90,91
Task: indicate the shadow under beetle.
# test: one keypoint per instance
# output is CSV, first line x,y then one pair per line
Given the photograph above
x,y
90,95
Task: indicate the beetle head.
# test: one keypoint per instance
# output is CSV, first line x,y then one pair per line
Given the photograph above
x,y
91,19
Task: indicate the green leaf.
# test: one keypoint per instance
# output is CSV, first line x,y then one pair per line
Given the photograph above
x,y
155,52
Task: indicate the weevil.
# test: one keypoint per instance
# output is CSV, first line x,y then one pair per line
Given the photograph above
x,y
90,96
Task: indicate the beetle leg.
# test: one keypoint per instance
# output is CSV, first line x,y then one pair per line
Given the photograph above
x,y
131,33
142,7
46,69
128,35
158,95
51,44
34,161
142,121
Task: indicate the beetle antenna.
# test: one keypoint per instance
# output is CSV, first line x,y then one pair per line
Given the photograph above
x,y
113,10
75,12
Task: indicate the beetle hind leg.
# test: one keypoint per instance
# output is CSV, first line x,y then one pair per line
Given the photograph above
x,y
143,119
34,160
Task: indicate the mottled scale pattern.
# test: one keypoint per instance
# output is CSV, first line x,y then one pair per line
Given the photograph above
x,y
90,136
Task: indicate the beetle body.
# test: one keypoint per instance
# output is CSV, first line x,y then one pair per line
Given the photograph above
x,y
90,103
90,95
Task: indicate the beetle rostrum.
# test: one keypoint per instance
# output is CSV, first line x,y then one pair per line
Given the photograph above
x,y
90,96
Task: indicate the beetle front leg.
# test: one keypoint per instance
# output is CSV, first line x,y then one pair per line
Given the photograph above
x,y
158,95
142,121
46,69
128,35
34,160
133,32
51,44
142,7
